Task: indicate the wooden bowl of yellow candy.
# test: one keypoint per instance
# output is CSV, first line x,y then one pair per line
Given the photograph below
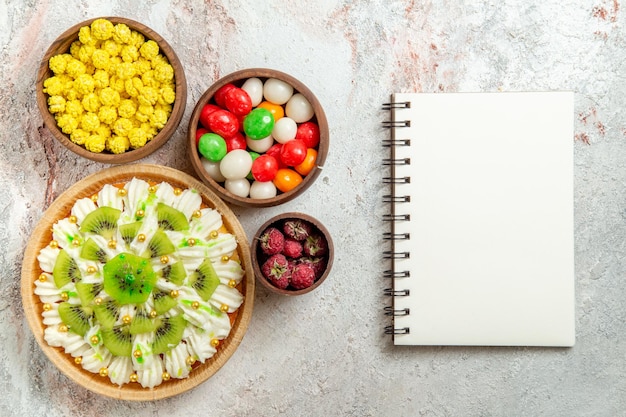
x,y
111,90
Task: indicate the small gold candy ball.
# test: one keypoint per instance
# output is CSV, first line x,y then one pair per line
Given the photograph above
x,y
165,259
76,243
112,243
103,372
137,353
190,360
153,314
195,305
63,328
73,219
215,343
47,307
197,214
140,213
126,319
225,258
94,198
43,278
232,283
141,237
65,296
91,269
133,378
174,293
54,244
178,191
94,339
214,234
224,308
191,241
152,189
121,192
166,376
78,360
97,301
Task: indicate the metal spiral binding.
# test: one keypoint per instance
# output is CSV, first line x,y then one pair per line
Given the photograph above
x,y
392,330
389,124
396,198
397,105
396,255
396,180
389,311
396,274
396,217
396,293
401,161
396,236
387,143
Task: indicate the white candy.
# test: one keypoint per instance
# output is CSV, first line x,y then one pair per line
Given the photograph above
x,y
299,108
285,129
262,190
277,91
213,169
239,187
260,145
254,88
236,164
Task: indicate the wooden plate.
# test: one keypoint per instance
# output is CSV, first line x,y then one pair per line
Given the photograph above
x,y
41,236
62,45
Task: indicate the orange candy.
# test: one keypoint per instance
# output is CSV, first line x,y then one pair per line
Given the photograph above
x,y
276,110
308,164
287,179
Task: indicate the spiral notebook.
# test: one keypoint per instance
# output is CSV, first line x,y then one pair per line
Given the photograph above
x,y
481,239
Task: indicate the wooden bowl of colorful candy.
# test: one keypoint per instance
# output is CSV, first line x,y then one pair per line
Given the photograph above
x,y
111,90
258,137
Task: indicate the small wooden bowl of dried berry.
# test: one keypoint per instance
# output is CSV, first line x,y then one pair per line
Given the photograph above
x,y
111,90
292,254
258,137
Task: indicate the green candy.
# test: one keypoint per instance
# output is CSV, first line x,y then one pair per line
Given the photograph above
x,y
212,147
258,124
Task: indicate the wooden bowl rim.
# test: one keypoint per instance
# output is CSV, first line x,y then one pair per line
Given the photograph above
x,y
62,44
33,305
240,76
283,216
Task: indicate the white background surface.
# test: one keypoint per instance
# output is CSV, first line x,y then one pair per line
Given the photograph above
x,y
325,353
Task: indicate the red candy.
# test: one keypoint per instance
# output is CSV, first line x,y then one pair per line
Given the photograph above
x,y
204,114
275,152
223,122
293,152
220,95
264,168
238,101
309,133
235,142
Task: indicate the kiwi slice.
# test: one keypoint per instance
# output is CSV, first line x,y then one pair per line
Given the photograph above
x,y
75,317
129,278
174,273
107,313
87,292
141,323
168,333
159,245
102,221
129,231
65,270
118,340
163,302
93,252
204,280
170,218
